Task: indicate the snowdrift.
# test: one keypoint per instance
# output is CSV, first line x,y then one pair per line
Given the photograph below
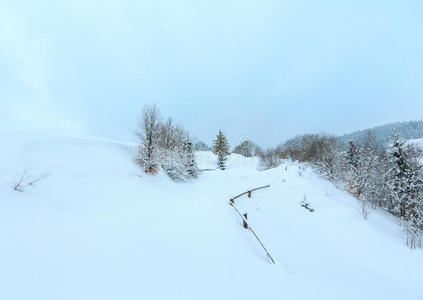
x,y
98,228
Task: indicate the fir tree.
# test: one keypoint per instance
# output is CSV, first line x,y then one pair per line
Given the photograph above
x,y
399,175
353,155
406,187
221,149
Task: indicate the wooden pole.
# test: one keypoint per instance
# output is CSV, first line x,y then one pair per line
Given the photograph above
x,y
255,235
244,222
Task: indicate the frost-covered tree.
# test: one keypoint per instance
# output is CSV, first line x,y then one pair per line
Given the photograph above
x,y
354,169
221,149
413,208
165,145
399,175
190,162
248,149
178,160
353,155
361,172
148,132
406,189
271,158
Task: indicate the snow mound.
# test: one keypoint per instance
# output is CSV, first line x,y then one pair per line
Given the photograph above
x,y
98,228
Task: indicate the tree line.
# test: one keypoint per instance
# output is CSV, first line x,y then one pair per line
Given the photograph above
x,y
385,177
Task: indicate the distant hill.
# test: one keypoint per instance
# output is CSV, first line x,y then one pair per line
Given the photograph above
x,y
406,130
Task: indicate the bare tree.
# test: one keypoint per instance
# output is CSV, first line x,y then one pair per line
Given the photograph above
x,y
248,149
149,133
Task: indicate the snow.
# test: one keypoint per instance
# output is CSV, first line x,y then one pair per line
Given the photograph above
x,y
97,228
417,142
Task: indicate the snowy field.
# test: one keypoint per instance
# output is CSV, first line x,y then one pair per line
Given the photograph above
x,y
97,228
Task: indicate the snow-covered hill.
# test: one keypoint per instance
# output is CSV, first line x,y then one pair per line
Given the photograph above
x,y
97,228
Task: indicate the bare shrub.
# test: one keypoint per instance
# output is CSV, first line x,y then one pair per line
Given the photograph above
x,y
24,179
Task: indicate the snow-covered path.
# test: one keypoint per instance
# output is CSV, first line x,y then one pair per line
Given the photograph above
x,y
98,228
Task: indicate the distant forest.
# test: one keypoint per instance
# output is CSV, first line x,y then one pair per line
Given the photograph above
x,y
406,130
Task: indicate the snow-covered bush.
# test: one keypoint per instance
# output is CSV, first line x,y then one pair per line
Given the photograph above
x,y
271,158
248,149
165,145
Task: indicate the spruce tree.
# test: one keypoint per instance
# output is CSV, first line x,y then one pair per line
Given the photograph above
x,y
406,188
399,175
353,155
221,149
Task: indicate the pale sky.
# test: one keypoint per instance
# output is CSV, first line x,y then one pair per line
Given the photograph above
x,y
264,69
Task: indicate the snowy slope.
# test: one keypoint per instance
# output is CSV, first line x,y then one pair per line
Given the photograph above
x,y
98,228
418,142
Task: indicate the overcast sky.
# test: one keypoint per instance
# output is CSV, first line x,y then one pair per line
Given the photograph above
x,y
264,69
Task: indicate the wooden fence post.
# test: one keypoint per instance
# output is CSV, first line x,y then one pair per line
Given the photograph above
x,y
243,221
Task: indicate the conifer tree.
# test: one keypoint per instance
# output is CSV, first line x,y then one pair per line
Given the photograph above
x,y
221,149
406,187
399,173
353,155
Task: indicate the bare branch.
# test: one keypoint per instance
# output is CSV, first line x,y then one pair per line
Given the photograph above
x,y
19,185
25,179
39,178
